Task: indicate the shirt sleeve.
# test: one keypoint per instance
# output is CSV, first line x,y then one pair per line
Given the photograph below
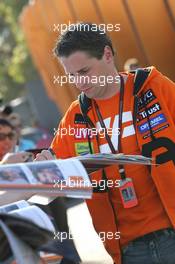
x,y
63,142
60,143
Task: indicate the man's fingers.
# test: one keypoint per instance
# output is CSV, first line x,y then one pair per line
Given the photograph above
x,y
47,154
44,155
39,157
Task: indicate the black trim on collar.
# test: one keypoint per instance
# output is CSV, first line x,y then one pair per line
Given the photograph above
x,y
85,103
139,79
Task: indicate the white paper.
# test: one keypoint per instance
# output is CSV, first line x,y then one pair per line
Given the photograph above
x,y
88,244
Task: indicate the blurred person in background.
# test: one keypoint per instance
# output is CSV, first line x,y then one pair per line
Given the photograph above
x,y
8,138
131,64
22,144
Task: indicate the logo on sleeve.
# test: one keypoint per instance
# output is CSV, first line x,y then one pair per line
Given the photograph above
x,y
146,98
82,148
151,110
153,123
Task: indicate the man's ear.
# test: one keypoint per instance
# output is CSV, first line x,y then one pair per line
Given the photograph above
x,y
108,56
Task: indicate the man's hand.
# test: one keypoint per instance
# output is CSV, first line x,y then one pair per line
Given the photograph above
x,y
17,157
44,155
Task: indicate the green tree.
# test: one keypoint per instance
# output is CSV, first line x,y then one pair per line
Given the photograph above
x,y
16,66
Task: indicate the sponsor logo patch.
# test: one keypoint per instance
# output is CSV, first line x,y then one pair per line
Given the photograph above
x,y
82,133
157,130
82,148
150,111
146,98
157,120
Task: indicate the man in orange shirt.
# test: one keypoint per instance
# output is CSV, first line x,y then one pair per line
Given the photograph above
x,y
136,112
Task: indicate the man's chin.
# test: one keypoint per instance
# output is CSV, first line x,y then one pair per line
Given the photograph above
x,y
91,96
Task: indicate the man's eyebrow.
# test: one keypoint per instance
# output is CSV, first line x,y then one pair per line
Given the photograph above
x,y
83,69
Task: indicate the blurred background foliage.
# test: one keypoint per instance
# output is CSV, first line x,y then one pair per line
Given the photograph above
x,y
16,67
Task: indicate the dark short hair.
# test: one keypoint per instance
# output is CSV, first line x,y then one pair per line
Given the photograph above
x,y
7,110
4,122
82,37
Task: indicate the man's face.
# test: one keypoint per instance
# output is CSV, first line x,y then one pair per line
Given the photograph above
x,y
89,71
7,140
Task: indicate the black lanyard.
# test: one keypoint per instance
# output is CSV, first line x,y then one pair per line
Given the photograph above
x,y
108,139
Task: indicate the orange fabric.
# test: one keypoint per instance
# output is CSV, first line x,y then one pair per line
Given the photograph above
x,y
156,208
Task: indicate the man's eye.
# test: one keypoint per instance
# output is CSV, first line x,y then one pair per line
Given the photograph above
x,y
84,72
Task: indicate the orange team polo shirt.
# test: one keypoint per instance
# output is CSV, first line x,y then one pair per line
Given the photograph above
x,y
149,215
